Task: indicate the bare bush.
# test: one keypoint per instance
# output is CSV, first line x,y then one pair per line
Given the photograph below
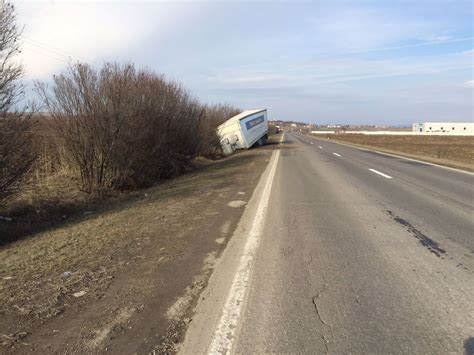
x,y
161,134
125,128
214,116
88,116
16,155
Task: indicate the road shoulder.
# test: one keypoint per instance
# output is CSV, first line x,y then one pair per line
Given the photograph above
x,y
221,303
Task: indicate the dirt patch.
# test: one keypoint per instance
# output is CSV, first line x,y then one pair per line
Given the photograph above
x,y
454,151
126,277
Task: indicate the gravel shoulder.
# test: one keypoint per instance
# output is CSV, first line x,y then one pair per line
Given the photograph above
x,y
125,278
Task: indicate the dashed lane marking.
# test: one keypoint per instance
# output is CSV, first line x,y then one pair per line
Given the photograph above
x,y
381,174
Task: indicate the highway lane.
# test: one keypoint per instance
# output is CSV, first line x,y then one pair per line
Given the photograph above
x,y
405,168
439,199
359,253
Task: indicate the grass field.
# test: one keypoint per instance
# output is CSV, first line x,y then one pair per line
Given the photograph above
x,y
454,151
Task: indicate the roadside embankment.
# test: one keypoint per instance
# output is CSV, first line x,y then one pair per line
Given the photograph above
x,y
125,276
452,151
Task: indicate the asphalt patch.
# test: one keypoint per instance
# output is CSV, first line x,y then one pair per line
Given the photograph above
x,y
427,242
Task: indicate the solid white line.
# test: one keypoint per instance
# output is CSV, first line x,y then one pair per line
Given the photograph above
x,y
338,155
224,334
282,136
382,174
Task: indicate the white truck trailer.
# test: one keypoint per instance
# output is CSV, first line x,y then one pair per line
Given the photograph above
x,y
244,130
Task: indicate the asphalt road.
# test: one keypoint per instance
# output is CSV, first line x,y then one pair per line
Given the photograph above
x,y
359,252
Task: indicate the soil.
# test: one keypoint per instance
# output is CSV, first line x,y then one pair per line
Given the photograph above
x,y
124,277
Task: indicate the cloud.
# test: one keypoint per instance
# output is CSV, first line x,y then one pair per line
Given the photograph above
x,y
349,29
469,84
317,73
438,38
248,79
344,59
58,32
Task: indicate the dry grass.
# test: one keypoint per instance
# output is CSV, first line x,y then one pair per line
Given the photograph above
x,y
50,192
446,150
47,195
92,248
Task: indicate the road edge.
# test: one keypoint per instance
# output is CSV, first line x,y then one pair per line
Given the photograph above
x,y
213,327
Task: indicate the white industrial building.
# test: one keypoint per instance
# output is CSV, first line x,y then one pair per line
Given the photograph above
x,y
448,128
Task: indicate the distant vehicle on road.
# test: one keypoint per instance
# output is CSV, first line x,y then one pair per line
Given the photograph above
x,y
244,130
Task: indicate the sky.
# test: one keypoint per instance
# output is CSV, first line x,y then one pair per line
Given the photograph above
x,y
331,61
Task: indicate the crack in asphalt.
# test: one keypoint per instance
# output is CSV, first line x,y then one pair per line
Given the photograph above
x,y
323,322
316,307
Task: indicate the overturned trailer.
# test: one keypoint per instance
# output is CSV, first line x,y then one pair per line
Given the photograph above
x,y
244,130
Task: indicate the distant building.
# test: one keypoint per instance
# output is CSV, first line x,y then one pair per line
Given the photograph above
x,y
459,129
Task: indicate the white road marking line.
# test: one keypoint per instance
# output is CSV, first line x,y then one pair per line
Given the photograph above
x,y
282,136
406,158
338,155
320,147
312,143
382,174
224,334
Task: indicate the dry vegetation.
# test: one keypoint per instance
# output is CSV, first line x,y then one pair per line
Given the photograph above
x,y
16,155
447,150
108,133
107,130
129,252
123,128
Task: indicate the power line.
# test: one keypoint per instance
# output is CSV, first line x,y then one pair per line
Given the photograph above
x,y
52,49
56,51
42,51
48,49
62,59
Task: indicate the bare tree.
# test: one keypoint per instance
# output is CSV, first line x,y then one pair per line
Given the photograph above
x,y
16,155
